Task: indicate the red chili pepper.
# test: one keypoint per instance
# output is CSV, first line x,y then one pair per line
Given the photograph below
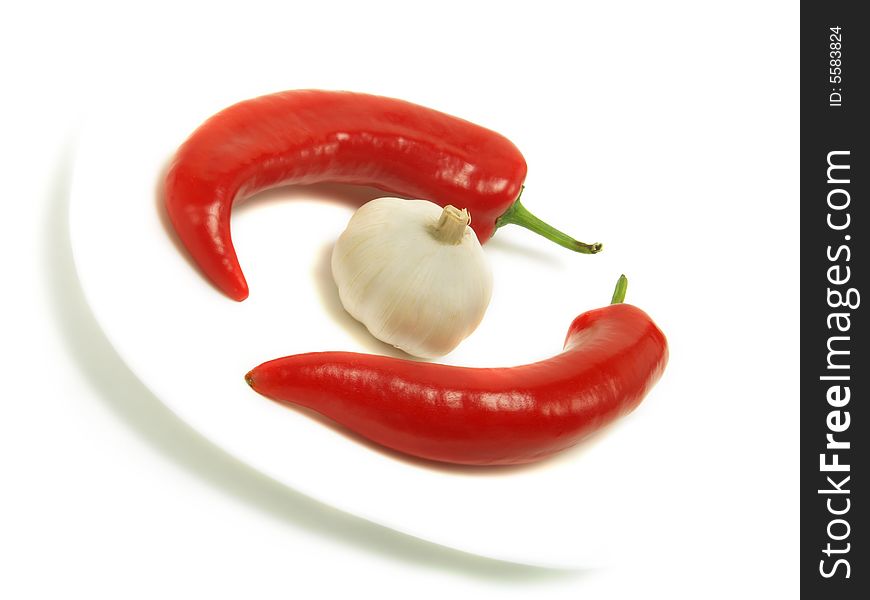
x,y
311,136
612,357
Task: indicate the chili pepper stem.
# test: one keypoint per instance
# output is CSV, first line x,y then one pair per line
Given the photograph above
x,y
619,292
520,215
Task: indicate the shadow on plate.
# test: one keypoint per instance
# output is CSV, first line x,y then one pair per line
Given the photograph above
x,y
145,416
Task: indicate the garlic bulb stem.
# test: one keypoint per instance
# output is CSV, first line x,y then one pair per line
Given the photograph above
x,y
451,225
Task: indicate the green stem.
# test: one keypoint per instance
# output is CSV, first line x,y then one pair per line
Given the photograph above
x,y
519,215
619,292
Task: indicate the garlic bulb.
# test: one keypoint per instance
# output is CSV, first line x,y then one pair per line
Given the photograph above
x,y
413,273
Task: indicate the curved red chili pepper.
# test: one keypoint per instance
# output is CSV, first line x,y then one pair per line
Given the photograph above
x,y
311,136
612,358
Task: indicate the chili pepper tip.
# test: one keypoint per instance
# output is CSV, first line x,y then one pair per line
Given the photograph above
x,y
249,378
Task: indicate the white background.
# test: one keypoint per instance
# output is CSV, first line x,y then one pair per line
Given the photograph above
x,y
106,494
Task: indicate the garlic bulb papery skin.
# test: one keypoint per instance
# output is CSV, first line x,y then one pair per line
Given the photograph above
x,y
413,273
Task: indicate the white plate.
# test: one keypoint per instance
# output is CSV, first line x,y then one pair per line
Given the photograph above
x,y
192,346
